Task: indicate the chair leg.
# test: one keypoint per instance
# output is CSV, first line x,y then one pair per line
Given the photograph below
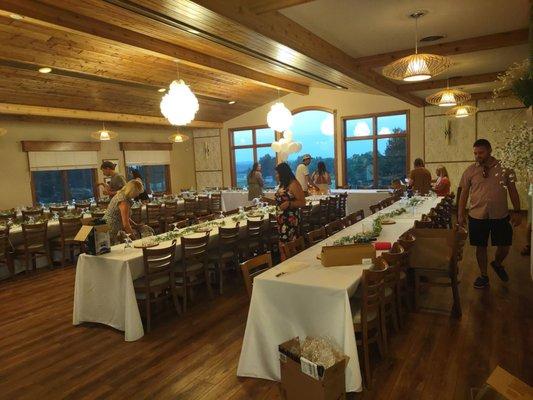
x,y
185,292
220,268
175,301
417,292
383,322
381,343
394,314
366,357
207,282
148,313
456,310
63,256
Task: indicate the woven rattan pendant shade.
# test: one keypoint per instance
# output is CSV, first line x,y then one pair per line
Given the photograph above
x,y
104,134
416,67
178,138
448,98
461,111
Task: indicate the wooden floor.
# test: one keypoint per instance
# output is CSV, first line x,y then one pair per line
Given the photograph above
x,y
43,356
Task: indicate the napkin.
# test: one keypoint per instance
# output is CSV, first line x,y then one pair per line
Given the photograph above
x,y
382,245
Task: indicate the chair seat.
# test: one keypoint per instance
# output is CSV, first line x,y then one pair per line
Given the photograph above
x,y
141,282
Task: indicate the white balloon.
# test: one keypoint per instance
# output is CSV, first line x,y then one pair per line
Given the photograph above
x,y
293,147
279,117
287,135
286,146
282,141
275,146
299,148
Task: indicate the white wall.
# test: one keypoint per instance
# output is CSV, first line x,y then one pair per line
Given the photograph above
x,y
15,175
345,103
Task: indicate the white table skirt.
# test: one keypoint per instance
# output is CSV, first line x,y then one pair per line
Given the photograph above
x,y
104,290
311,301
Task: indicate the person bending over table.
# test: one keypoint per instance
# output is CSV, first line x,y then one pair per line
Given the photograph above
x,y
118,212
289,198
116,181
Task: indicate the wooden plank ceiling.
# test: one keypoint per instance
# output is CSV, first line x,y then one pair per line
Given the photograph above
x,y
113,56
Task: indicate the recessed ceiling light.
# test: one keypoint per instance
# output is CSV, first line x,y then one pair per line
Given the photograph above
x,y
161,90
193,31
16,16
45,70
339,87
432,38
232,102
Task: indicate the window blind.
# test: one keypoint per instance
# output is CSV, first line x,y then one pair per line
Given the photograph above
x,y
147,157
60,160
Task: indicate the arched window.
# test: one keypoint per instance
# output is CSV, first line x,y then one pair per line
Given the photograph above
x,y
315,130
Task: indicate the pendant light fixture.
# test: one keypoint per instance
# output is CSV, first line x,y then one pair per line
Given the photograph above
x,y
462,111
178,137
418,66
104,134
279,118
448,97
179,105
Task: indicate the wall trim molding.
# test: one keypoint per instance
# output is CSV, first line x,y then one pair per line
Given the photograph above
x,y
126,146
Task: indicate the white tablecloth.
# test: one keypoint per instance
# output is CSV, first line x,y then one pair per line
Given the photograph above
x,y
311,301
104,290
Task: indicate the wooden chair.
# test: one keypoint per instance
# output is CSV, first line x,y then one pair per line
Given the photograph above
x,y
206,218
273,234
321,217
6,257
153,216
333,206
184,223
68,228
102,204
435,258
391,282
158,283
253,267
424,223
231,212
306,224
334,227
8,214
189,208
32,213
290,249
374,208
203,207
346,222
367,318
343,200
82,206
35,245
136,214
255,242
316,236
215,205
193,267
158,195
169,215
357,216
227,251
58,209
97,214
399,257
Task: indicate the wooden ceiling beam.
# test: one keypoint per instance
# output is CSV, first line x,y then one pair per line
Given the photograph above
x,y
264,6
455,81
285,31
21,109
46,15
487,42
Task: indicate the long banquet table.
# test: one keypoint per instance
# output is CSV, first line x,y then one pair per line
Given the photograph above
x,y
310,301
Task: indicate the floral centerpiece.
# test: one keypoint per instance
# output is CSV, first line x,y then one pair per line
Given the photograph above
x,y
518,79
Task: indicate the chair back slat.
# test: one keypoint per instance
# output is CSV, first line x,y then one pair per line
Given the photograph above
x,y
254,228
372,292
253,267
159,262
332,208
194,249
153,212
305,219
290,249
35,234
69,227
334,227
27,214
136,214
190,205
316,236
216,202
5,246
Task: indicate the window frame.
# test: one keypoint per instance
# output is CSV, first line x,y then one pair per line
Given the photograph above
x,y
146,177
375,138
67,196
252,146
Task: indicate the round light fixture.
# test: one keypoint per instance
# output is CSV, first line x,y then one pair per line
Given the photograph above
x,y
179,105
462,111
279,118
416,67
178,138
16,16
232,102
448,98
161,90
104,134
45,70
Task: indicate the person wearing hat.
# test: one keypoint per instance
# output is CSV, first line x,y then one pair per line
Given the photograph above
x,y
116,181
302,174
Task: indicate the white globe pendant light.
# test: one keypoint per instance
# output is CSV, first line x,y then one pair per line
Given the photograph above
x,y
279,118
180,104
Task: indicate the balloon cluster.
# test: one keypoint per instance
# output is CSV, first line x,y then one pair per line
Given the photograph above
x,y
286,146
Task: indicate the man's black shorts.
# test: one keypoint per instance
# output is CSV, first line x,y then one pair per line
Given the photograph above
x,y
500,230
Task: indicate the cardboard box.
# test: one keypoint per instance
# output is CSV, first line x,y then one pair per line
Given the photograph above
x,y
95,236
503,385
323,384
350,254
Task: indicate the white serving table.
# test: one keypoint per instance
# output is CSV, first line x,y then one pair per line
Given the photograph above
x,y
311,301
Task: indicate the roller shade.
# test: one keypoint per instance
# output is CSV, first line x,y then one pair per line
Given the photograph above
x,y
60,160
147,157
